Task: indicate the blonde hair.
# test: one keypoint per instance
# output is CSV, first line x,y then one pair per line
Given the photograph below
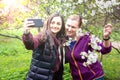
x,y
77,18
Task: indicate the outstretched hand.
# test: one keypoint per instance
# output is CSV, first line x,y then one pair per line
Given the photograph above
x,y
27,25
107,30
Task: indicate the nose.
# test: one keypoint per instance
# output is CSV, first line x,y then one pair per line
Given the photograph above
x,y
55,25
69,28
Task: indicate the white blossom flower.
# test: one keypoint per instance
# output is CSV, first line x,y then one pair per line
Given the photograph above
x,y
83,55
99,48
88,62
84,21
70,39
92,57
84,64
97,39
93,13
79,32
67,43
80,1
95,46
94,41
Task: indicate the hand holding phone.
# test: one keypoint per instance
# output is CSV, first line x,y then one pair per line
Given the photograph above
x,y
35,22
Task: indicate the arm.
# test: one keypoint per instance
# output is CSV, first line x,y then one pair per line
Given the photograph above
x,y
106,35
105,50
29,41
106,45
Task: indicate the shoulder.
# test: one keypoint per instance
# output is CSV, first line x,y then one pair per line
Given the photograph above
x,y
87,35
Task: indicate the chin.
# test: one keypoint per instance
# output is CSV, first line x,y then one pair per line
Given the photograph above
x,y
54,32
69,35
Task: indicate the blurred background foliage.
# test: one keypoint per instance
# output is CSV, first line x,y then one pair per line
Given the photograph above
x,y
95,13
15,59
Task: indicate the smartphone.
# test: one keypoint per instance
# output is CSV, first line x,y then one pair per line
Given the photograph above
x,y
38,22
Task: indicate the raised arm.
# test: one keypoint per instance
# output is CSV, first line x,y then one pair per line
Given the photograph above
x,y
106,45
29,41
106,35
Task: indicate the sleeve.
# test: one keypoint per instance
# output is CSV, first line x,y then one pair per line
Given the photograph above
x,y
31,42
105,50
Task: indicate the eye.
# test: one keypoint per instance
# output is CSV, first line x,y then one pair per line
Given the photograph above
x,y
52,22
68,25
72,26
58,23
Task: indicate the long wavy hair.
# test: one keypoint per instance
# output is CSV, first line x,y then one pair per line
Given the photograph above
x,y
47,32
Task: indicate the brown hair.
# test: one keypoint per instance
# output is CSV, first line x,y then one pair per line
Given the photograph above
x,y
47,32
76,17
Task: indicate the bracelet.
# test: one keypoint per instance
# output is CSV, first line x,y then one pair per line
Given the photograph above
x,y
106,39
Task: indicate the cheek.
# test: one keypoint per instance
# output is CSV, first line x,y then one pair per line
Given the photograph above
x,y
75,30
67,28
50,25
60,27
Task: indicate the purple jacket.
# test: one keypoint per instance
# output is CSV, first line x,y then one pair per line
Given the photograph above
x,y
78,70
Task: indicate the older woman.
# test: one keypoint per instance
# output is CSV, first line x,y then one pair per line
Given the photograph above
x,y
82,47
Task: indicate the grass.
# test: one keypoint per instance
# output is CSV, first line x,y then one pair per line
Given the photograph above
x,y
14,67
15,61
111,66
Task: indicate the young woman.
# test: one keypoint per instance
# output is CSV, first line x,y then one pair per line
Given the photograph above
x,y
81,53
46,59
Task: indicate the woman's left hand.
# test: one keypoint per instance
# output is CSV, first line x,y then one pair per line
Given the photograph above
x,y
107,30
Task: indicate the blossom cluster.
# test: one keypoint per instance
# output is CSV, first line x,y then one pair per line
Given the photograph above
x,y
90,56
67,43
79,33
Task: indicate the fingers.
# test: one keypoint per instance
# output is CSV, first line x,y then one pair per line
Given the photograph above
x,y
28,23
107,29
108,25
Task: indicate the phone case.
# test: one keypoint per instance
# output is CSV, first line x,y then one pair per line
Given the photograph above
x,y
38,22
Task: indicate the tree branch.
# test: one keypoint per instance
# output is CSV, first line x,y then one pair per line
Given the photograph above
x,y
17,37
116,49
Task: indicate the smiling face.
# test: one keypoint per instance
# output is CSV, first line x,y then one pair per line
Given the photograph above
x,y
56,24
71,27
73,23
